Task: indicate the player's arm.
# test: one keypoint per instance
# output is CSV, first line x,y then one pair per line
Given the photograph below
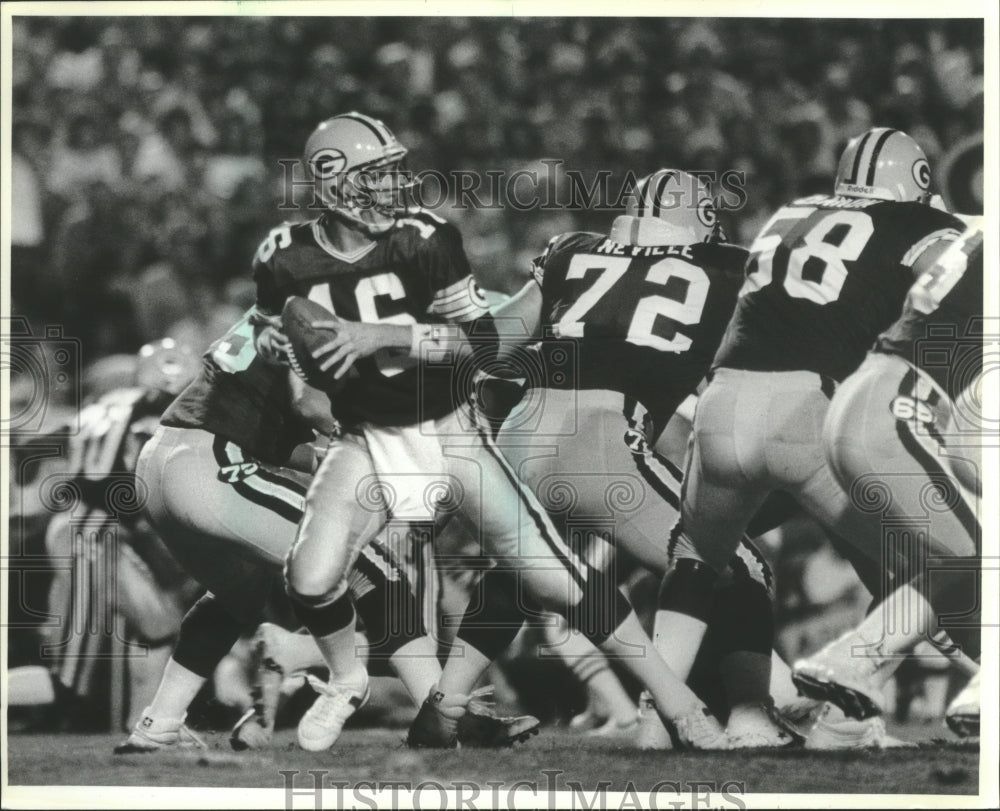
x,y
460,323
510,323
269,340
926,251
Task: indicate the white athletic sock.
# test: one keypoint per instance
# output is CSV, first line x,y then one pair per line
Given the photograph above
x,y
462,670
677,638
417,666
630,645
178,688
896,625
340,652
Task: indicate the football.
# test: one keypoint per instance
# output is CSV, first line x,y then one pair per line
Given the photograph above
x,y
297,319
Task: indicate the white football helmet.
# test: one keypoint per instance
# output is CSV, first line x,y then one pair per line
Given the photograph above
x,y
355,164
884,164
166,366
669,207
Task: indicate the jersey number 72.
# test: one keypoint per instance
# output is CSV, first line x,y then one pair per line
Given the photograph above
x,y
648,309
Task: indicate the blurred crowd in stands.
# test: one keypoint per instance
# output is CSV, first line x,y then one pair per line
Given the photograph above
x,y
146,150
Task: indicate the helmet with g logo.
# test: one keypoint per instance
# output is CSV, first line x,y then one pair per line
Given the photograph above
x,y
354,163
669,207
166,366
884,164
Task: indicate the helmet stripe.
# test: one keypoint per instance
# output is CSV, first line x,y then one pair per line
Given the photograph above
x,y
660,185
857,157
640,193
364,120
873,161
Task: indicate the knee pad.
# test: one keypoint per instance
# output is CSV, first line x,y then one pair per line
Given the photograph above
x,y
688,588
389,609
326,618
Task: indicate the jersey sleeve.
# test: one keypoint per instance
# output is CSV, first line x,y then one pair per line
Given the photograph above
x,y
271,280
937,230
269,297
454,294
559,245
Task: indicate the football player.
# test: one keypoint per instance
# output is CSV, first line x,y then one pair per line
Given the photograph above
x,y
890,427
825,276
401,298
98,503
224,494
628,324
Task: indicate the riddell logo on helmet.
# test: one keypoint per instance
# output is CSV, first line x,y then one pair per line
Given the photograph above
x,y
860,189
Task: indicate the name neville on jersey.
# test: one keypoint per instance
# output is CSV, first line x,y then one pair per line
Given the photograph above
x,y
613,248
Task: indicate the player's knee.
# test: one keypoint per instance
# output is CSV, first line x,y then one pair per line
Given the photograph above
x,y
311,586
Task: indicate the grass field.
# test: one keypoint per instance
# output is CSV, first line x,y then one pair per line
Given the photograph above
x,y
937,767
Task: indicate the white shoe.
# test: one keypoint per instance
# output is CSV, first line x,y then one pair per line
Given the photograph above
x,y
962,715
844,675
753,726
651,733
831,731
153,734
324,720
700,730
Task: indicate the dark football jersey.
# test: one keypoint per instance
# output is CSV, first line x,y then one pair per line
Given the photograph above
x,y
825,276
645,321
416,272
241,397
101,456
941,328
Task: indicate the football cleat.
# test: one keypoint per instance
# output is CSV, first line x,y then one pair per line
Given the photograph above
x,y
436,723
840,675
700,730
757,726
323,722
832,731
651,733
154,734
962,715
482,728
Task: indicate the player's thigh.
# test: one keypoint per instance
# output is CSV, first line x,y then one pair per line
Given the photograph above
x,y
514,527
202,485
883,438
344,511
724,482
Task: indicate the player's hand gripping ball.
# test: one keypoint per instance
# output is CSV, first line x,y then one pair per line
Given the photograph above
x,y
306,343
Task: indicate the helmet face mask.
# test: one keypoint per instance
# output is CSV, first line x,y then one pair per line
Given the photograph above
x,y
884,164
356,165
